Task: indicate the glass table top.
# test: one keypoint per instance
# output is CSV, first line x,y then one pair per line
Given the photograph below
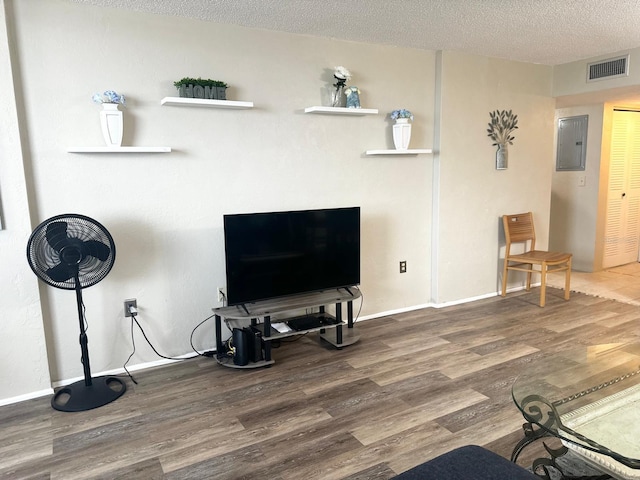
x,y
588,396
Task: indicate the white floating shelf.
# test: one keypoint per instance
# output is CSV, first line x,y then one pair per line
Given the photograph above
x,y
201,102
414,151
342,111
119,149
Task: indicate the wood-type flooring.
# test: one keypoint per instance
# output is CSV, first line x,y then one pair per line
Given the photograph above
x,y
416,385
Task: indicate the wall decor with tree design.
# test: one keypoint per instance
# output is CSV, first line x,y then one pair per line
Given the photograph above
x,y
502,123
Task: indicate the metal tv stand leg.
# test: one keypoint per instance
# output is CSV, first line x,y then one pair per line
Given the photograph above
x,y
267,334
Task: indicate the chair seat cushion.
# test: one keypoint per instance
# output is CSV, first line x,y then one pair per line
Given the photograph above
x,y
468,463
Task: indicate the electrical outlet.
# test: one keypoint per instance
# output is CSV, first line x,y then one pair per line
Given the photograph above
x,y
221,294
403,266
132,302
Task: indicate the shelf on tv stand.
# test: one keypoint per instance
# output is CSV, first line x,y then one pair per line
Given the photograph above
x,y
264,310
286,304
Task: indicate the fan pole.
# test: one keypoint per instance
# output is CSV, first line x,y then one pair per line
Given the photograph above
x,y
84,341
95,392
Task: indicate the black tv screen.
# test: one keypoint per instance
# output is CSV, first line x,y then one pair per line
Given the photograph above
x,y
275,254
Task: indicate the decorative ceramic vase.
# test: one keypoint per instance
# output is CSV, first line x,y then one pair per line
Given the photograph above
x,y
111,123
502,157
402,133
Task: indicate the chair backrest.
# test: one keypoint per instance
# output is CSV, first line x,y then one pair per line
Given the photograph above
x,y
519,228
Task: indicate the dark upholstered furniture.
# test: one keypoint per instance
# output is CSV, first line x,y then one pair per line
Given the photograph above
x,y
468,463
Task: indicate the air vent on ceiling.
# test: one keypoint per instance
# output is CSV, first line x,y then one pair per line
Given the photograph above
x,y
610,68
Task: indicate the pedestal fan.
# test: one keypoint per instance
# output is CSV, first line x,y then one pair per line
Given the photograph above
x,y
73,252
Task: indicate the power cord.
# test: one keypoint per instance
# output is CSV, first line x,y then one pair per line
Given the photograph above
x,y
361,303
230,350
133,341
209,353
134,319
134,313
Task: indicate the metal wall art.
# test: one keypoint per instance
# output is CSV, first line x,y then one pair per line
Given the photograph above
x,y
502,123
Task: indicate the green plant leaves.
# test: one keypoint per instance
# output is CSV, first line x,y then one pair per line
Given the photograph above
x,y
199,81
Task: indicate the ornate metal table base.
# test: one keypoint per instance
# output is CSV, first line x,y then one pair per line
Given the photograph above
x,y
543,467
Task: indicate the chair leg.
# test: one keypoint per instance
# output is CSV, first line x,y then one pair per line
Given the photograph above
x,y
567,281
504,278
543,284
529,278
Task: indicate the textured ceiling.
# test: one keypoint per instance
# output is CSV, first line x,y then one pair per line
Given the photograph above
x,y
549,32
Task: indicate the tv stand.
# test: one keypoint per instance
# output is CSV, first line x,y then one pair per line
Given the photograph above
x,y
260,314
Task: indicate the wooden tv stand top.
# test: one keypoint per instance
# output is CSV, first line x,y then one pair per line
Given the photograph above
x,y
284,304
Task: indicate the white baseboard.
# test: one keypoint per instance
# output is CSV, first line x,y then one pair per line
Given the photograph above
x,y
482,297
395,312
68,381
441,305
28,396
133,368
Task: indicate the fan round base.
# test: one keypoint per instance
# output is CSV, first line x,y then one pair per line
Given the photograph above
x,y
79,397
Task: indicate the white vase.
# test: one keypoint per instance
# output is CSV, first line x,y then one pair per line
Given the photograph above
x,y
111,123
402,133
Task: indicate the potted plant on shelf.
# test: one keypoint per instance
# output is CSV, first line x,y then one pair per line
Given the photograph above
x,y
502,123
402,128
201,88
111,120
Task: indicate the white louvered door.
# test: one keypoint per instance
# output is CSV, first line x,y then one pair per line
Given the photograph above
x,y
622,230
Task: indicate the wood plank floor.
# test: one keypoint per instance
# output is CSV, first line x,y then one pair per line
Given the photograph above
x,y
416,385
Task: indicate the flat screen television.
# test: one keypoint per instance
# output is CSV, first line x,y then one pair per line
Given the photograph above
x,y
275,254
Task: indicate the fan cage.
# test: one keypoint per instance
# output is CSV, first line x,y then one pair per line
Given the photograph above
x,y
42,257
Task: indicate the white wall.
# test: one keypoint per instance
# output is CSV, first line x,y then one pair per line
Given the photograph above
x,y
440,214
165,210
571,78
23,357
574,207
473,194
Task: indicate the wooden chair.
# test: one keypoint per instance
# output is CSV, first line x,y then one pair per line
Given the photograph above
x,y
519,229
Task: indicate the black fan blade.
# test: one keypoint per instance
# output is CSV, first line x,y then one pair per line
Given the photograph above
x,y
96,249
57,235
61,272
